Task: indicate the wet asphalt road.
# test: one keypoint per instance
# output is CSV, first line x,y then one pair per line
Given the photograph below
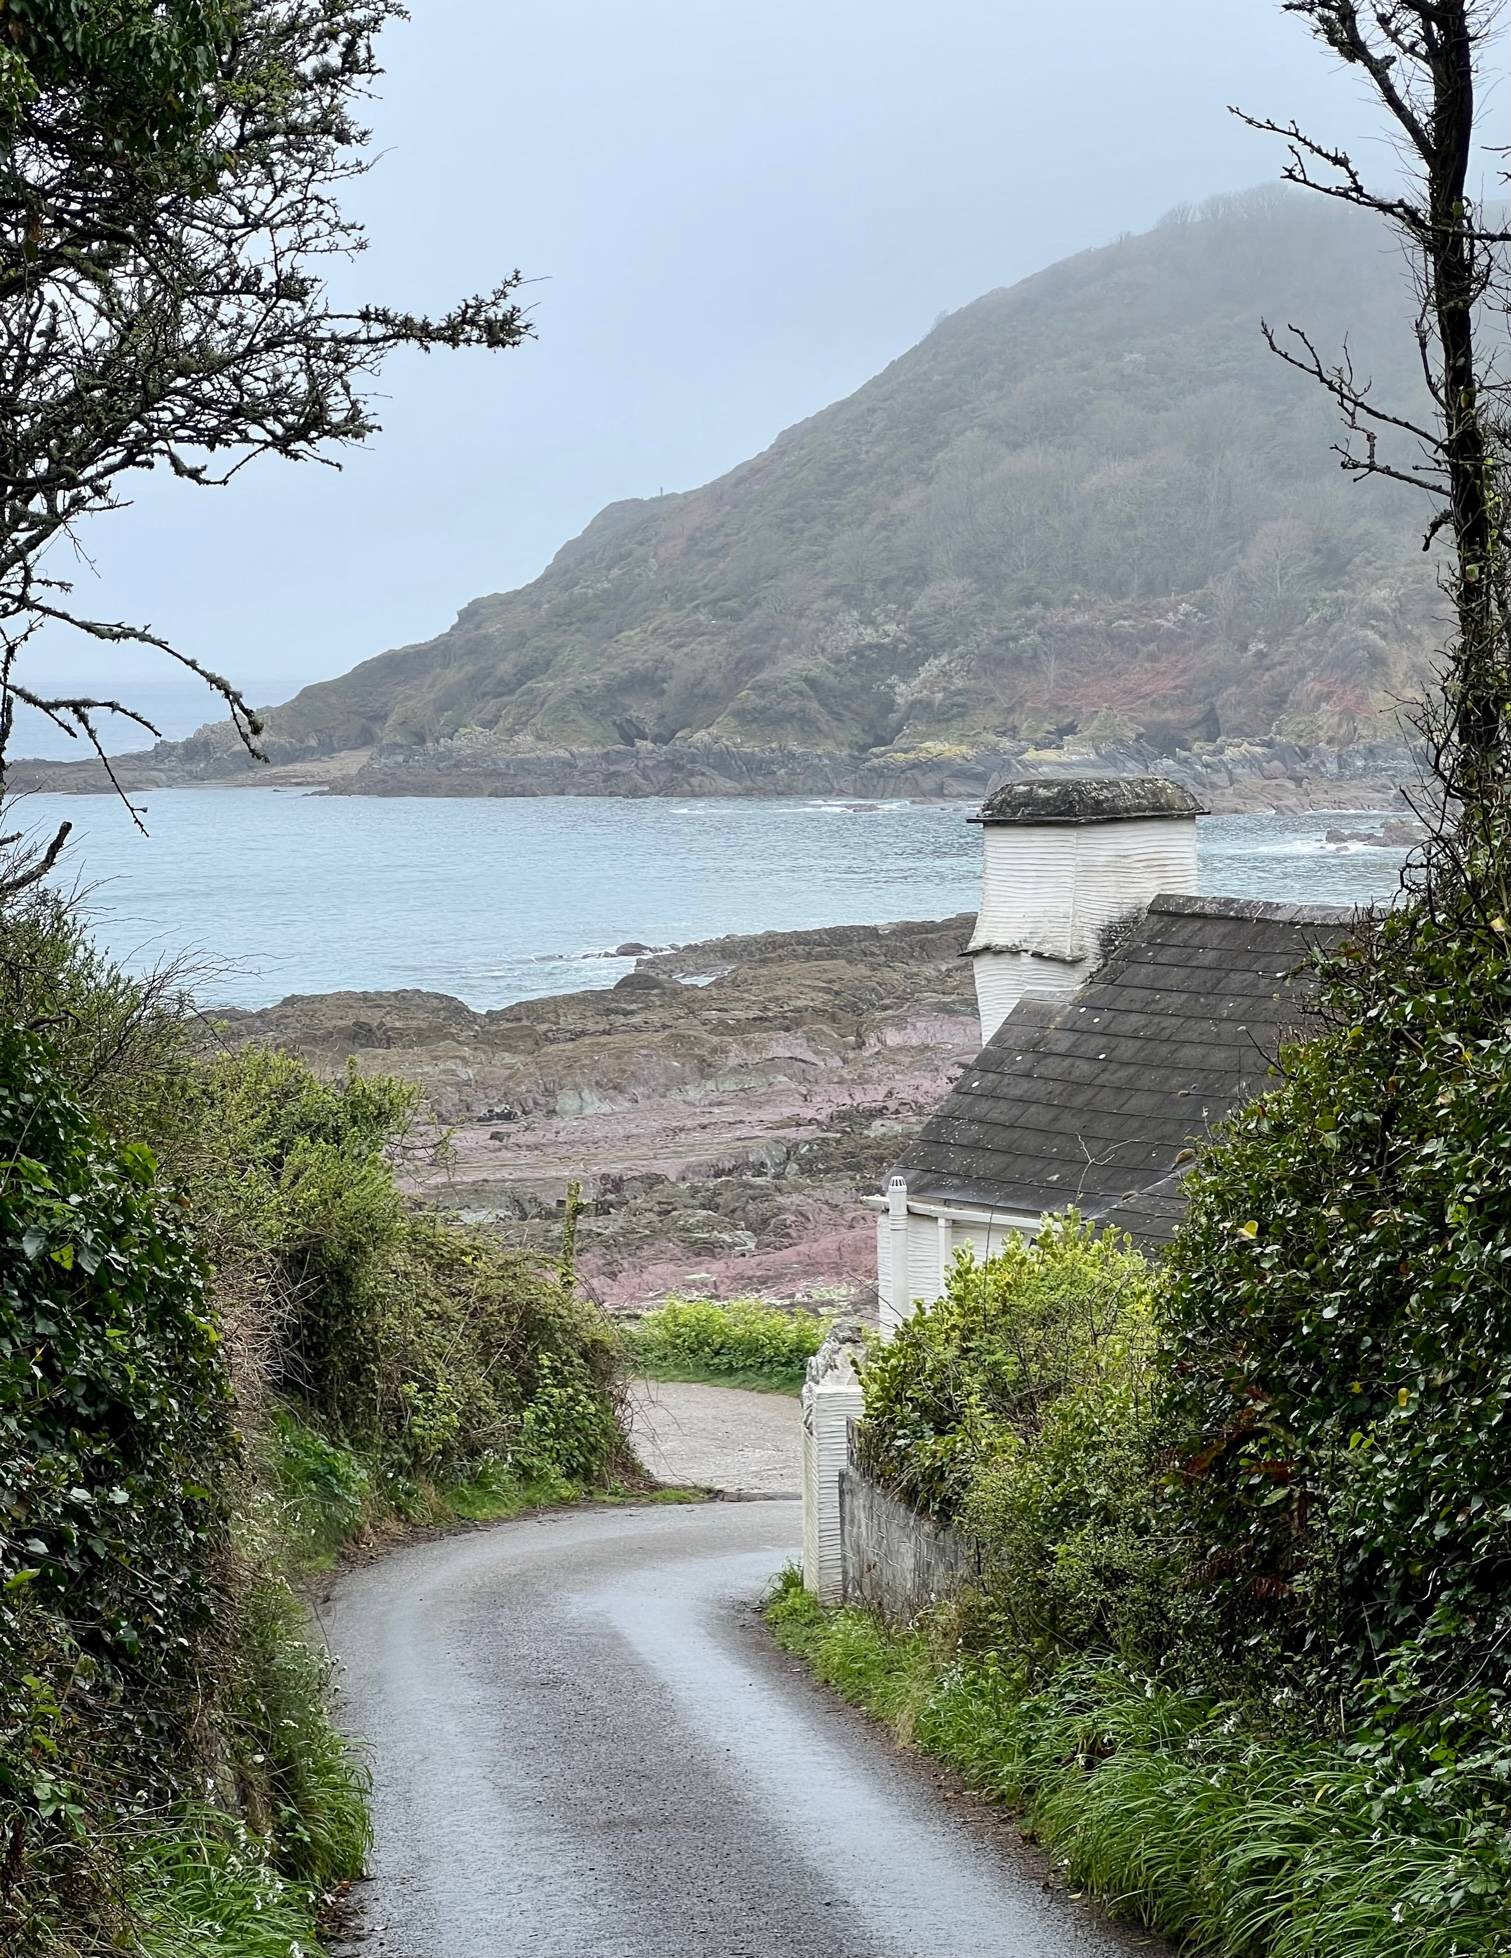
x,y
584,1742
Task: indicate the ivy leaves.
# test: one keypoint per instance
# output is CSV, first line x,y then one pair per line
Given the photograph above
x,y
115,1439
1339,1329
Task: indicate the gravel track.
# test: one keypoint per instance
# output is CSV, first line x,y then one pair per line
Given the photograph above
x,y
718,1437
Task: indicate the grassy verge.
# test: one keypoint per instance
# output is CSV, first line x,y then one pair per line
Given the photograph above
x,y
1174,1810
755,1380
746,1343
331,1499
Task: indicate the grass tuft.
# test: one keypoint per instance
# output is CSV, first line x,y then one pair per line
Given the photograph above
x,y
1174,1809
206,1887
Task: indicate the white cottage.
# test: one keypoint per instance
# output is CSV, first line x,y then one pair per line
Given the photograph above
x,y
1121,1015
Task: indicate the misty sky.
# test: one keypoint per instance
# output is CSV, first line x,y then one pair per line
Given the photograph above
x,y
735,214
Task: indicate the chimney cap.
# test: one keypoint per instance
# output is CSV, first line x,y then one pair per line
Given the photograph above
x,y
1086,799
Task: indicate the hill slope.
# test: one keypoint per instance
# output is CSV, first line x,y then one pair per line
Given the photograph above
x,y
1089,513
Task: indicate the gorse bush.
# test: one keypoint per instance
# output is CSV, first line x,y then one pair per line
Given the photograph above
x,y
745,1340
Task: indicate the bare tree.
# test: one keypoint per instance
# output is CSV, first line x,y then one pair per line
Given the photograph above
x,y
170,179
1422,60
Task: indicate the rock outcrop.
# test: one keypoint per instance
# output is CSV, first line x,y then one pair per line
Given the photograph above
x,y
1230,777
722,1130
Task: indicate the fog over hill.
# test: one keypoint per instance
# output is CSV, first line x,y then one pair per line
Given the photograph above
x,y
1088,516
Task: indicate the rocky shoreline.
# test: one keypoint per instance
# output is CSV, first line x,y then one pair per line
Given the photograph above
x,y
1232,777
724,1105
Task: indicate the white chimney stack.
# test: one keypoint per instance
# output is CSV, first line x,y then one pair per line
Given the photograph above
x,y
1066,856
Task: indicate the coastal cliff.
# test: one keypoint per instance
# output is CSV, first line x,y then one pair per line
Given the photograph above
x,y
1053,534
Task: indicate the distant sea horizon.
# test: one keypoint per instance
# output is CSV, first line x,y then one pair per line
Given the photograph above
x,y
267,892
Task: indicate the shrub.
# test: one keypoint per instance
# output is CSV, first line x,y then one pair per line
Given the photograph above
x,y
480,1360
292,1182
1013,1356
745,1340
428,1346
1019,1406
324,1492
115,1446
1339,1331
120,1045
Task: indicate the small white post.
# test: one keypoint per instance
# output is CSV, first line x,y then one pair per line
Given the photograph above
x,y
832,1399
946,1254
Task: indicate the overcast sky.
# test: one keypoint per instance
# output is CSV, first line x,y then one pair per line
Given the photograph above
x,y
735,213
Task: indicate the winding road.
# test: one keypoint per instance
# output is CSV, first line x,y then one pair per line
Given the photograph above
x,y
584,1742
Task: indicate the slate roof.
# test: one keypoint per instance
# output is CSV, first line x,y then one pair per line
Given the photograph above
x,y
1090,1100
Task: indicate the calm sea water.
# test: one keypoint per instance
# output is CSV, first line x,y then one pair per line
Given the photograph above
x,y
498,900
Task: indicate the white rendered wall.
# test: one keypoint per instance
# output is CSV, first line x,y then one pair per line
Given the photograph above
x,y
1048,890
932,1243
1002,978
924,1260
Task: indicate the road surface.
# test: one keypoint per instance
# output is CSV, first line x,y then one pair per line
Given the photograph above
x,y
584,1742
718,1437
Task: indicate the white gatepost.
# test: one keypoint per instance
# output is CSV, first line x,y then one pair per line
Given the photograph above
x,y
832,1399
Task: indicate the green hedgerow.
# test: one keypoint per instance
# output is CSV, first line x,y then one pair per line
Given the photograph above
x,y
744,1341
115,1447
1338,1344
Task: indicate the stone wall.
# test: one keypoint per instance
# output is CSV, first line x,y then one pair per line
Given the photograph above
x,y
894,1560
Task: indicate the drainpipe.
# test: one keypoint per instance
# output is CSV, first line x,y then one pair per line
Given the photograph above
x,y
897,1300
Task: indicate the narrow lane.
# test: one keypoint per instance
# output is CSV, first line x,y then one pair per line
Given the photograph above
x,y
584,1743
718,1437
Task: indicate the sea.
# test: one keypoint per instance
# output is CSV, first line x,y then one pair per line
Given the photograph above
x,y
266,892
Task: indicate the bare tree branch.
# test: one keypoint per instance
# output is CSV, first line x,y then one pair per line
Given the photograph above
x,y
1421,58
166,236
